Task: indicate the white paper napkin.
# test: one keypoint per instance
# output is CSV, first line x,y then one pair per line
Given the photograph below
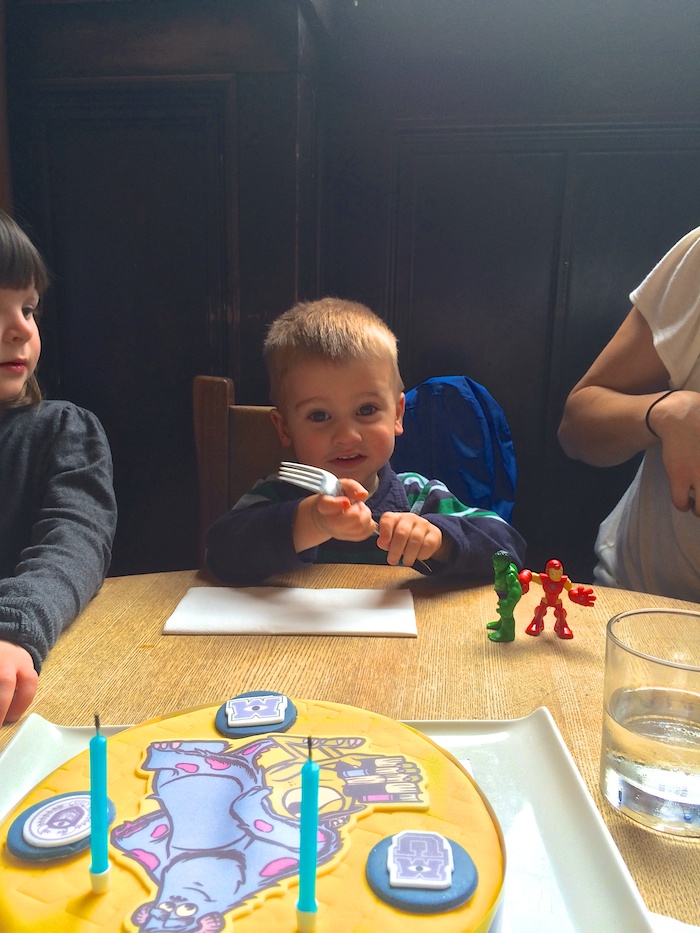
x,y
275,610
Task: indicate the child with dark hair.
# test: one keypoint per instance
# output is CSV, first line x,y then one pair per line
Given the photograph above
x,y
57,507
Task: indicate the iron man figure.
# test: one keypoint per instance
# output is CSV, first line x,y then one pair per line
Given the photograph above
x,y
553,581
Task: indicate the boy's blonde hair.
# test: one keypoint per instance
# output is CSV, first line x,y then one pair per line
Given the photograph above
x,y
331,329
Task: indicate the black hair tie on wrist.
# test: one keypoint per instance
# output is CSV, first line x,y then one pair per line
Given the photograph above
x,y
649,410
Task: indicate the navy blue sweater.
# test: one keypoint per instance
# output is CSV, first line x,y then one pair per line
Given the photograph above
x,y
254,539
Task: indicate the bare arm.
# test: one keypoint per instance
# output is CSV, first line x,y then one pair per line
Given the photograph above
x,y
603,422
604,418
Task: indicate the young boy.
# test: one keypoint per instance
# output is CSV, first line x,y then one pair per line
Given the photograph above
x,y
338,397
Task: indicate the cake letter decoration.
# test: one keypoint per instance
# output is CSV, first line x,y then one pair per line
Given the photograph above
x,y
53,829
255,713
418,859
421,872
265,710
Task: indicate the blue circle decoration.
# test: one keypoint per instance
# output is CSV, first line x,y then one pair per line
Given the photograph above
x,y
20,848
241,732
465,879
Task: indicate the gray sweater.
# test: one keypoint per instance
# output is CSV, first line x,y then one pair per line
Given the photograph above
x,y
58,516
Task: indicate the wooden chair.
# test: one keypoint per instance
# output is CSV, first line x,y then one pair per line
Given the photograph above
x,y
236,445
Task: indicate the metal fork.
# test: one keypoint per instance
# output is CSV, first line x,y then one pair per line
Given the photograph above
x,y
309,477
316,479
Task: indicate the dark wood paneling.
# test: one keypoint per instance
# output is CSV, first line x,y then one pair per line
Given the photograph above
x,y
433,219
278,206
137,201
510,252
56,41
162,149
635,196
5,187
476,274
512,61
268,204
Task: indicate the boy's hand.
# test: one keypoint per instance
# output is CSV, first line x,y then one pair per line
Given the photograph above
x,y
18,681
320,517
407,538
344,519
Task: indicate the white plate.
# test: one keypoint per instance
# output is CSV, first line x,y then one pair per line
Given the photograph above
x,y
564,872
35,750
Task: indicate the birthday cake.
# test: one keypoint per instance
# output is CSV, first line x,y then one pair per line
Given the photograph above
x,y
204,835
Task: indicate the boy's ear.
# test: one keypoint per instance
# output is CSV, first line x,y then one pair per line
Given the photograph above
x,y
400,408
277,418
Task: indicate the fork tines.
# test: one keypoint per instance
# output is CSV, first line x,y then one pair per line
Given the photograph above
x,y
286,466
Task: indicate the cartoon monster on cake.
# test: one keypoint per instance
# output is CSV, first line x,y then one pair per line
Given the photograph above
x,y
217,840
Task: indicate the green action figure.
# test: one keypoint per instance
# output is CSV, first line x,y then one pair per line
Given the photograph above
x,y
509,591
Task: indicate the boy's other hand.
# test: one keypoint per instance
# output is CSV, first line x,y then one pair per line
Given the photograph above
x,y
407,538
18,681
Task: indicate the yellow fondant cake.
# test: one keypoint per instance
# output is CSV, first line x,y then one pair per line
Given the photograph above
x,y
206,832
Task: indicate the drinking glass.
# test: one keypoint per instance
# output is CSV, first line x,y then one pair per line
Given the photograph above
x,y
650,758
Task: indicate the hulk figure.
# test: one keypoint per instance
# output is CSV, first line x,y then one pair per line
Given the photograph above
x,y
509,591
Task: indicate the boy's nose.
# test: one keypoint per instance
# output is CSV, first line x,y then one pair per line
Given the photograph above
x,y
347,431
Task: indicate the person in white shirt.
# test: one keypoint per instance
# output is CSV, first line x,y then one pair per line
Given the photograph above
x,y
642,393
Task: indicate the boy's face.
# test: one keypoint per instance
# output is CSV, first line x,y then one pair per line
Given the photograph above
x,y
342,417
19,340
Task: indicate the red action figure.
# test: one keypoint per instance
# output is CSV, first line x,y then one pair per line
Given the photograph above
x,y
553,581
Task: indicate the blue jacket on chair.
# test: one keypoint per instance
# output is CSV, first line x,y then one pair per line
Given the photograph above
x,y
455,431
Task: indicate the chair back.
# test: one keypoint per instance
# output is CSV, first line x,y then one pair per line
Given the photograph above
x,y
455,431
236,445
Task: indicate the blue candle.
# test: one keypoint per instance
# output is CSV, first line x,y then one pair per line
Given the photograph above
x,y
308,849
99,814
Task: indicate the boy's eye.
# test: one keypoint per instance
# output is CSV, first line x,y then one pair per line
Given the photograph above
x,y
317,416
28,311
367,409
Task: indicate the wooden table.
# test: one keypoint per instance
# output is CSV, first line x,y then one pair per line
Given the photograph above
x,y
115,661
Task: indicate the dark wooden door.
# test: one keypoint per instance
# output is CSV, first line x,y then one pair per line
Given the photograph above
x,y
164,156
514,251
135,184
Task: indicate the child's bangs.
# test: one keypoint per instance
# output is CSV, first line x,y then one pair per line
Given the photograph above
x,y
21,266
